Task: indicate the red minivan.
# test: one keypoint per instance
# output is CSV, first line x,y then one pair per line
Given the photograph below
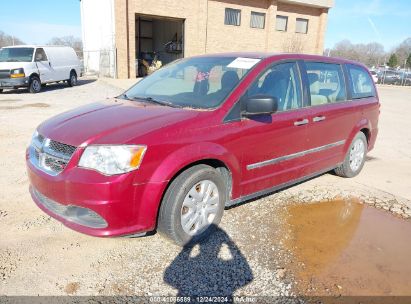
x,y
199,135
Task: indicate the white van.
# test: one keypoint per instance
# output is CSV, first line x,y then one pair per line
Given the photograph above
x,y
33,66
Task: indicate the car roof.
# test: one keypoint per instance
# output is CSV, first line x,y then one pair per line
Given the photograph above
x,y
283,56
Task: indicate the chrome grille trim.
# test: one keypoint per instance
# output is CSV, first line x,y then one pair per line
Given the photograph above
x,y
50,156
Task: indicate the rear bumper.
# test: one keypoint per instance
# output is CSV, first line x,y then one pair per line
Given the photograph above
x,y
126,208
14,83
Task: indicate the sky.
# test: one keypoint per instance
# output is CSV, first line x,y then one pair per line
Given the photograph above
x,y
385,21
361,21
36,22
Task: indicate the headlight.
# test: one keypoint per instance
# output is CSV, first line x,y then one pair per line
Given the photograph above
x,y
112,160
17,73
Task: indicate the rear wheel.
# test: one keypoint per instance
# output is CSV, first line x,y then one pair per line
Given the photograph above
x,y
192,205
34,85
355,158
73,79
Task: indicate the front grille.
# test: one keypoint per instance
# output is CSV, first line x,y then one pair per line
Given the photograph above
x,y
62,148
49,155
4,74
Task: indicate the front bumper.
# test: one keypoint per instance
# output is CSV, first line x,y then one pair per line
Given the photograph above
x,y
125,208
14,83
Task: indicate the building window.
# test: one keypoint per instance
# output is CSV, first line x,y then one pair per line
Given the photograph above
x,y
281,23
232,16
301,26
257,20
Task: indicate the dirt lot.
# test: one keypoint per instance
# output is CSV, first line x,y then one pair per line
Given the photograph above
x,y
257,251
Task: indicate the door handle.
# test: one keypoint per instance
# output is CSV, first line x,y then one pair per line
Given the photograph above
x,y
301,122
318,118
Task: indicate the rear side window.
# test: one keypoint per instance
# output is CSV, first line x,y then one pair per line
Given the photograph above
x,y
361,82
326,82
281,81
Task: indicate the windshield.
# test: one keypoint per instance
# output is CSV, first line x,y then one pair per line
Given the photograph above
x,y
202,82
16,54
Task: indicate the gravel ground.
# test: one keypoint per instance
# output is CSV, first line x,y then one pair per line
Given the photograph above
x,y
39,256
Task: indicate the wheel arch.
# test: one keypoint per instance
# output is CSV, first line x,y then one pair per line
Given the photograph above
x,y
34,74
210,154
364,126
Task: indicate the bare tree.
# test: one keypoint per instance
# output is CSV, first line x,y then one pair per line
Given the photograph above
x,y
371,54
403,50
7,40
293,44
74,42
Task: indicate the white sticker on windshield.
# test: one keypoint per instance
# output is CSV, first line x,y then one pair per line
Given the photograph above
x,y
243,63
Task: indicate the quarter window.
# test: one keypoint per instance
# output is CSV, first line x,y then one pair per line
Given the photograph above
x,y
281,23
281,81
257,20
326,82
301,26
361,82
232,16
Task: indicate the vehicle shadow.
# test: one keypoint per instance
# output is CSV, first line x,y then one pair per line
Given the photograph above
x,y
49,87
212,268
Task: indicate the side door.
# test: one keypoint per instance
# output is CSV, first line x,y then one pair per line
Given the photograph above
x,y
46,71
273,145
332,114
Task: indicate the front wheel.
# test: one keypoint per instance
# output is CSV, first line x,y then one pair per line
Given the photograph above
x,y
35,85
192,205
355,158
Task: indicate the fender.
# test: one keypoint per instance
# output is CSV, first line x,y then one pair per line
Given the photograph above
x,y
363,123
193,153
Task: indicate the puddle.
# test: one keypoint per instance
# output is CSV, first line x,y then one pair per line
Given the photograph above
x,y
347,248
30,105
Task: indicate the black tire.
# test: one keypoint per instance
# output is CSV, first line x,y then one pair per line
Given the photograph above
x,y
1,90
345,169
72,81
34,85
169,219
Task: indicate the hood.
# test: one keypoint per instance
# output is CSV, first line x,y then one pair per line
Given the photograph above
x,y
12,65
114,121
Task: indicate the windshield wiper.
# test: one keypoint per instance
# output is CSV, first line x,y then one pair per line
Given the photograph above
x,y
124,96
160,102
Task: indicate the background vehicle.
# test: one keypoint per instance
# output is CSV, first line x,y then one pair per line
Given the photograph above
x,y
390,77
374,76
33,66
199,135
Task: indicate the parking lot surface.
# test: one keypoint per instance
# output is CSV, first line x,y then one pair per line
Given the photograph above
x,y
249,254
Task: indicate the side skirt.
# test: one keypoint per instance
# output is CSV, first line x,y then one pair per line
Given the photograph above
x,y
264,192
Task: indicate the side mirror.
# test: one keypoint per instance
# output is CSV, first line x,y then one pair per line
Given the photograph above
x,y
260,105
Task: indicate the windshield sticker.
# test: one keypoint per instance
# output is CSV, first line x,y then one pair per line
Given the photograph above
x,y
243,63
201,76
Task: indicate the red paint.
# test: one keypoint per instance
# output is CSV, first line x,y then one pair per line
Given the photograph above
x,y
177,138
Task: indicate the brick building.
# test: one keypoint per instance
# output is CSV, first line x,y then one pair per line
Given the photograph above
x,y
117,32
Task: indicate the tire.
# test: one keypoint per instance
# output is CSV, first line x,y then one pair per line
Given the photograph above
x,y
355,158
72,81
178,201
34,85
1,90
